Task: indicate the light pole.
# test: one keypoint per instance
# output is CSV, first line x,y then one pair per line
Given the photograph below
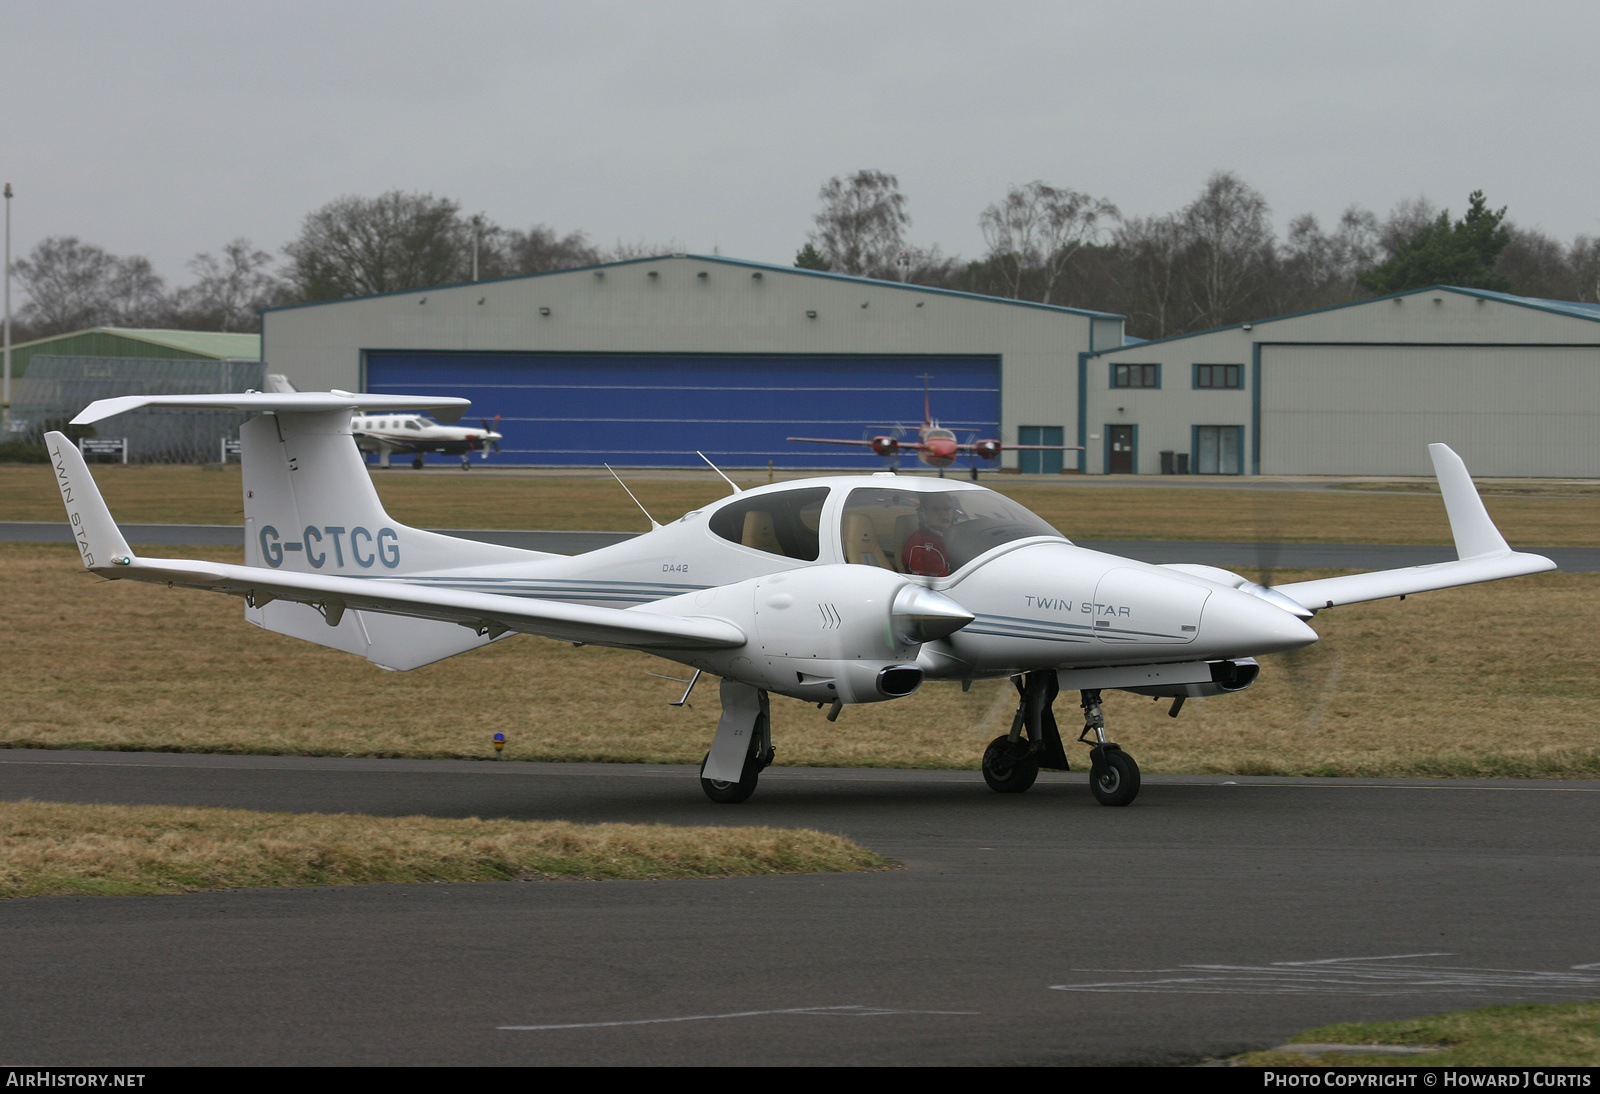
x,y
5,391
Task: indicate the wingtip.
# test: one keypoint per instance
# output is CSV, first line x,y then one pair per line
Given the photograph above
x,y
99,540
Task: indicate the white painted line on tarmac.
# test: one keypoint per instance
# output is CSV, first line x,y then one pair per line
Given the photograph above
x,y
1350,976
848,1011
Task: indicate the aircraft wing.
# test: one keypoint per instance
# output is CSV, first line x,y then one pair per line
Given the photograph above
x,y
484,612
1482,552
1034,447
106,552
830,440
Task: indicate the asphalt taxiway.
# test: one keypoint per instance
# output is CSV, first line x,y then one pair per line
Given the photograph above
x,y
1215,914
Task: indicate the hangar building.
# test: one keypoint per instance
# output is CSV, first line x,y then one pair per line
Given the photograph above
x,y
1511,383
644,362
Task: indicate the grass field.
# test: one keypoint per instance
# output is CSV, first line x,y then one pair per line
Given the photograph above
x,y
485,499
1490,680
122,850
1551,1035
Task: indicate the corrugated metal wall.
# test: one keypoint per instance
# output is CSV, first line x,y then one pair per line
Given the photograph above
x,y
657,410
57,387
1372,410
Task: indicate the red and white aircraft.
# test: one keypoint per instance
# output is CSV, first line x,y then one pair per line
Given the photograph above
x,y
936,446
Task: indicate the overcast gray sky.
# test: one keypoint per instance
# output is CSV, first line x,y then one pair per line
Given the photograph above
x,y
164,128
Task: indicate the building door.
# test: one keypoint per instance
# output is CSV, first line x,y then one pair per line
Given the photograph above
x,y
1219,449
1119,459
1040,463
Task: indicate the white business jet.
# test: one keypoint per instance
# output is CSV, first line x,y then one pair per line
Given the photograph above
x,y
832,590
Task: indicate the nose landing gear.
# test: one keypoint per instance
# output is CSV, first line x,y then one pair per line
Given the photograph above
x,y
1113,776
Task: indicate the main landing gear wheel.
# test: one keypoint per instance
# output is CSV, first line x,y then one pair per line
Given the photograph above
x,y
726,793
1113,776
416,463
1009,767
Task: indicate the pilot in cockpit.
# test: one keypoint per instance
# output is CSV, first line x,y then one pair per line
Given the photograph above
x,y
924,551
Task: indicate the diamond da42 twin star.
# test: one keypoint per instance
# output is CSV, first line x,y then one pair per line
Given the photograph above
x,y
839,590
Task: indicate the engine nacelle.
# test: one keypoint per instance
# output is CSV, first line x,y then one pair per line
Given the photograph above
x,y
989,450
1226,677
823,633
885,446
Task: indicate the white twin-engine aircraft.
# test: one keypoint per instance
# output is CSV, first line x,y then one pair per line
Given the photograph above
x,y
831,590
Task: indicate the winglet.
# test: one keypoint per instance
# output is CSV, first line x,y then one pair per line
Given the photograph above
x,y
1475,534
99,539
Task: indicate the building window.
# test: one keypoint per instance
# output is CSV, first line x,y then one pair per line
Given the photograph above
x,y
1219,376
1219,449
1135,375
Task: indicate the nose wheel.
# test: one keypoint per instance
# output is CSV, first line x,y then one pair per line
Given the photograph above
x,y
1113,776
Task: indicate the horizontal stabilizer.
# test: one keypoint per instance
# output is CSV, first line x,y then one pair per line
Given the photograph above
x,y
297,402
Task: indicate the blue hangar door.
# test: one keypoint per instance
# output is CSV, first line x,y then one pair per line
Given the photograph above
x,y
657,410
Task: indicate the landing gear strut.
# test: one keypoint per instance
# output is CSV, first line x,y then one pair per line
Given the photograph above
x,y
742,748
466,462
1113,776
1011,763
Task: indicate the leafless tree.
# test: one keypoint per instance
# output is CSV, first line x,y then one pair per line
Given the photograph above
x,y
228,290
356,246
861,226
626,251
1152,252
72,285
1583,257
539,250
1317,269
1405,220
1231,238
1038,229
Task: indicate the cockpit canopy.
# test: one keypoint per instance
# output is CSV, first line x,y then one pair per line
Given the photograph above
x,y
930,532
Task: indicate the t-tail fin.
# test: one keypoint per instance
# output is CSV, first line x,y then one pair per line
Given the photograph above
x,y
310,506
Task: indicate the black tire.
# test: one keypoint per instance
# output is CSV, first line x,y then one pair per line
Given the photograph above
x,y
1007,768
726,793
1113,777
416,463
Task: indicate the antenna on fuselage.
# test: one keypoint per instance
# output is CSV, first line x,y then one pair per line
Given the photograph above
x,y
718,470
654,527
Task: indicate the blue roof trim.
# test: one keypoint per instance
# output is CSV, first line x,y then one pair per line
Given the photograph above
x,y
1571,308
720,260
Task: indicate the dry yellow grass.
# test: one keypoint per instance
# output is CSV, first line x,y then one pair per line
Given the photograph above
x,y
485,499
1498,679
1522,1035
50,848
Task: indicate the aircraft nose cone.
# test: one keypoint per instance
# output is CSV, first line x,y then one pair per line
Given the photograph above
x,y
1246,625
922,615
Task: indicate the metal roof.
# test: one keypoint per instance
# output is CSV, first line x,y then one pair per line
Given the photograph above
x,y
1573,308
744,263
205,343
211,344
